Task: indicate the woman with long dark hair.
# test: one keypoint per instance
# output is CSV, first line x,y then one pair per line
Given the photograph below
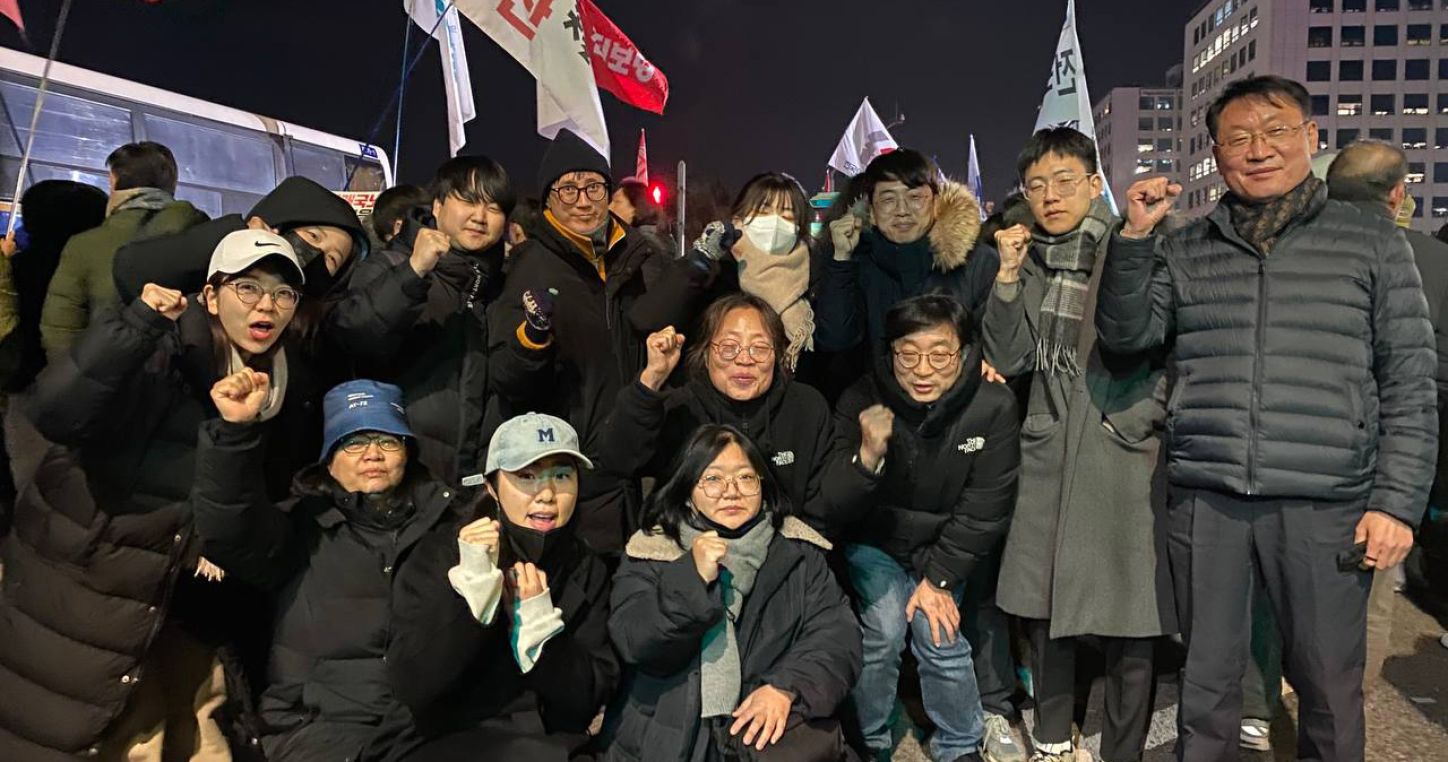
x,y
738,642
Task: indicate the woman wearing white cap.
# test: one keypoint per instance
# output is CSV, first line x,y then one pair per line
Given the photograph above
x,y
104,547
502,636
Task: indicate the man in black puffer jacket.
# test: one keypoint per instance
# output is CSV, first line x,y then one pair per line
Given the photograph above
x,y
447,264
1302,422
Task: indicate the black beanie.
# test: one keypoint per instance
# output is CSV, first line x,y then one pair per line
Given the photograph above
x,y
569,153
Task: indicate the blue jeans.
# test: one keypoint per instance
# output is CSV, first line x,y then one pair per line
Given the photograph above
x,y
947,674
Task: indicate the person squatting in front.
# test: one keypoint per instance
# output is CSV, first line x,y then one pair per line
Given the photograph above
x,y
945,443
737,641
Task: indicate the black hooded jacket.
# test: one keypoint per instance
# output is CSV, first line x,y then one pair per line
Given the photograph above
x,y
944,500
430,337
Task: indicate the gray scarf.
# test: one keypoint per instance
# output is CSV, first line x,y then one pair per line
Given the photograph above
x,y
1069,259
150,199
720,675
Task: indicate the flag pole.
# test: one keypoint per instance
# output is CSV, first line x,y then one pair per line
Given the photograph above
x,y
35,116
396,94
402,85
683,194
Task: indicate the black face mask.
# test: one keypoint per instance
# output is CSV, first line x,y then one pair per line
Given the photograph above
x,y
314,265
704,523
544,549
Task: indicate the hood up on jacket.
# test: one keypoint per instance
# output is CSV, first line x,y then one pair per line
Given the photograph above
x,y
956,228
180,261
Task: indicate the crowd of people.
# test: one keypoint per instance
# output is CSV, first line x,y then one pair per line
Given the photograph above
x,y
494,477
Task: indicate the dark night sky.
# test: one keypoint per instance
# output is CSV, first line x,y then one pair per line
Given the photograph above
x,y
755,84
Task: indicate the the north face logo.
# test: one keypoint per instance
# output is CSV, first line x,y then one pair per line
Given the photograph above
x,y
784,458
546,435
974,444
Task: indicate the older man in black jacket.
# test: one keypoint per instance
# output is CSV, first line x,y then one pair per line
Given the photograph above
x,y
1302,431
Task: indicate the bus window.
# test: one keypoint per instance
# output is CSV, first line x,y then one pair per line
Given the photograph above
x,y
40,172
366,175
72,131
324,165
208,201
215,158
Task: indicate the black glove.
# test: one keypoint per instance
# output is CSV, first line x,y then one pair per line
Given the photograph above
x,y
538,314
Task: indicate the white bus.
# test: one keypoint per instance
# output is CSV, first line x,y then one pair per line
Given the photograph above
x,y
228,158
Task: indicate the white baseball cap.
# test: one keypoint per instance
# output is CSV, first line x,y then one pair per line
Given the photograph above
x,y
239,250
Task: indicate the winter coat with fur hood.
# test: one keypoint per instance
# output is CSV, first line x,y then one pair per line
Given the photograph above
x,y
855,294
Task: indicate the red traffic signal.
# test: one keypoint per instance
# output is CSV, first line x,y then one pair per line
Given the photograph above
x,y
656,192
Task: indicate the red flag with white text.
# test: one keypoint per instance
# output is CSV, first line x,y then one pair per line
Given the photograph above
x,y
619,66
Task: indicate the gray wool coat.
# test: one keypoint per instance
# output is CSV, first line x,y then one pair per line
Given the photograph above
x,y
1087,544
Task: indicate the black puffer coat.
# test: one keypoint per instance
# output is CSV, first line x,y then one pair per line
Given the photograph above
x,y
943,504
791,424
599,327
334,557
1305,374
796,632
454,673
103,543
436,350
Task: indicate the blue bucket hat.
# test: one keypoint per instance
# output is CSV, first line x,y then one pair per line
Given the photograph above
x,y
362,405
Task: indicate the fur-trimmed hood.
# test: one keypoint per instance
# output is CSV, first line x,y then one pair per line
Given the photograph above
x,y
956,228
654,545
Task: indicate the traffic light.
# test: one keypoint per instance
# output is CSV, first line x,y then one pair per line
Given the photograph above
x,y
656,192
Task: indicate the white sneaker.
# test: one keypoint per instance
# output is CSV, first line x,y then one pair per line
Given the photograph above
x,y
1000,744
1256,735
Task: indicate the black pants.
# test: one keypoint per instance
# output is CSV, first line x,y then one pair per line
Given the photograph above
x,y
989,633
1217,544
1129,690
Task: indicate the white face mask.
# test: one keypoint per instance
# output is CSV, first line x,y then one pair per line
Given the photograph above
x,y
772,234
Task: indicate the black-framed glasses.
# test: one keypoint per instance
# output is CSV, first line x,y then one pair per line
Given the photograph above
x,y
568,194
938,360
714,485
728,350
1277,137
358,443
250,292
1065,186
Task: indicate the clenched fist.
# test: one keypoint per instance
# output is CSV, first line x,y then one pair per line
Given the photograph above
x,y
709,551
877,424
845,234
427,249
1147,204
240,396
1012,243
169,302
665,347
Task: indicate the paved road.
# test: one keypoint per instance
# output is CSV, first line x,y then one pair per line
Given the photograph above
x,y
1407,710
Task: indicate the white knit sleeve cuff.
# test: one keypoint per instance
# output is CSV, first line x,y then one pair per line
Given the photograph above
x,y
478,580
538,621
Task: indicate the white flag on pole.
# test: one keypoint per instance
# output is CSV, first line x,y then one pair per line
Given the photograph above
x,y
973,181
1068,102
547,38
864,139
455,78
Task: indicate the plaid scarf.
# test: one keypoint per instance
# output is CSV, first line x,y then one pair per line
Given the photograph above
x,y
1069,260
1262,224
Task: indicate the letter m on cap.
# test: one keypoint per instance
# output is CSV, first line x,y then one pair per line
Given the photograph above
x,y
546,435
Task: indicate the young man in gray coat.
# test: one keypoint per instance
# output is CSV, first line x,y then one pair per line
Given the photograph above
x,y
1086,554
1302,429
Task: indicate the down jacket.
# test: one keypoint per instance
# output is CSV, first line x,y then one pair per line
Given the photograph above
x,y
435,348
333,558
796,632
943,504
103,544
854,295
1305,374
